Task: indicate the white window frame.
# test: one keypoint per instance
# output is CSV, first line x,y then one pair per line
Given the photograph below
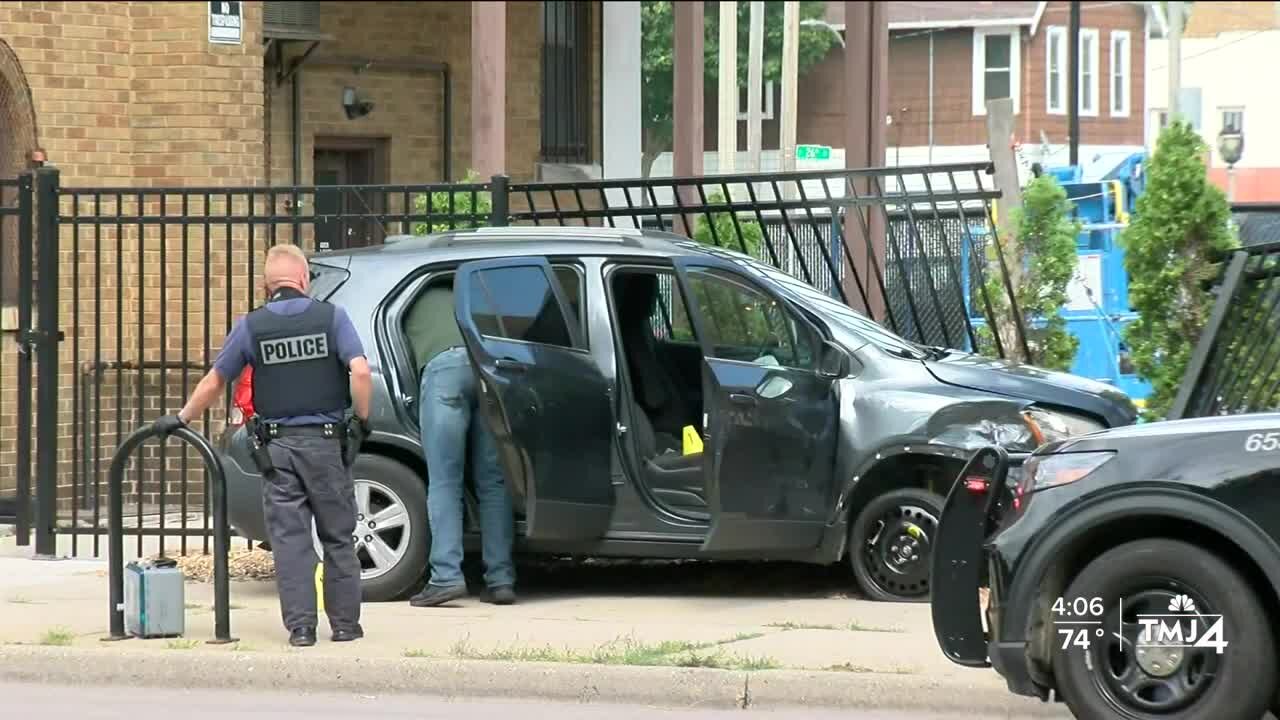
x,y
1058,105
1222,116
1091,110
1121,64
979,66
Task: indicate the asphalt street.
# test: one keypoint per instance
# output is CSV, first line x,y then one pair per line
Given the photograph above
x,y
53,702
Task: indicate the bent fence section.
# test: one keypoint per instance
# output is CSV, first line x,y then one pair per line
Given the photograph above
x,y
1235,365
138,286
221,530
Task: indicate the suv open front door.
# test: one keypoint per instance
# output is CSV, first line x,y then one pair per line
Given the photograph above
x,y
772,419
542,393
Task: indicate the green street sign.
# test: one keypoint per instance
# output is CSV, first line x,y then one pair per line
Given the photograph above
x,y
813,152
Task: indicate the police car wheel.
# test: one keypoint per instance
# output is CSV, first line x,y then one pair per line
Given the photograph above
x,y
392,534
891,542
1126,669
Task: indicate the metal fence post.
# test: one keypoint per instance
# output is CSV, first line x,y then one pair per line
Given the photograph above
x,y
1208,337
500,198
26,273
46,339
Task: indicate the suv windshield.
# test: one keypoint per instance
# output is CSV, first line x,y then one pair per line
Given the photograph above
x,y
829,308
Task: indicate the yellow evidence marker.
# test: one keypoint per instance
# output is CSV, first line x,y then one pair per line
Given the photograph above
x,y
692,440
320,587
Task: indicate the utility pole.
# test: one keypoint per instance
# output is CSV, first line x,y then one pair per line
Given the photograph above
x,y
1175,59
755,82
728,125
790,81
1073,128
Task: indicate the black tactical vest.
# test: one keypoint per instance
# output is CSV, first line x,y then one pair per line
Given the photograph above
x,y
296,367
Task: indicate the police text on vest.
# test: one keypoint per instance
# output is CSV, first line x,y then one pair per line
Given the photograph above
x,y
294,349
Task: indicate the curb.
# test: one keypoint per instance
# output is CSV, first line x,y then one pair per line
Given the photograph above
x,y
482,679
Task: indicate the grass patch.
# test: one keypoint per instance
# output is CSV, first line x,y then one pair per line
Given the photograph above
x,y
855,627
57,636
852,627
181,644
624,651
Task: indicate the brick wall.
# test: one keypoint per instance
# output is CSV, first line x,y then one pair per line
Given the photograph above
x,y
408,103
132,94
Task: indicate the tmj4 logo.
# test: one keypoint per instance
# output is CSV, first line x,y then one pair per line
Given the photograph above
x,y
1182,627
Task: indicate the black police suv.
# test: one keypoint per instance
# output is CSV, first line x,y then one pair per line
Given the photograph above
x,y
1135,571
608,356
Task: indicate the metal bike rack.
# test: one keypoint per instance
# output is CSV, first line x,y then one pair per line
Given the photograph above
x,y
221,531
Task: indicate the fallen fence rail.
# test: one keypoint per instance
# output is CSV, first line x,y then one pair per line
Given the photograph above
x,y
221,531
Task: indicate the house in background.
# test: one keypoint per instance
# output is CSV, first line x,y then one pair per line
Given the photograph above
x,y
946,59
1228,49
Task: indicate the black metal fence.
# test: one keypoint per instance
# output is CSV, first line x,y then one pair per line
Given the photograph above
x,y
139,285
15,362
1235,366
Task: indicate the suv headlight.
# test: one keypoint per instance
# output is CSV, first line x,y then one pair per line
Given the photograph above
x,y
1049,425
1045,471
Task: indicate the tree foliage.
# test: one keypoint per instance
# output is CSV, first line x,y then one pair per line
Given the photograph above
x,y
657,27
462,205
1042,256
1181,226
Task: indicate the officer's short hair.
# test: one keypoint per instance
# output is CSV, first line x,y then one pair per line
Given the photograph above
x,y
287,249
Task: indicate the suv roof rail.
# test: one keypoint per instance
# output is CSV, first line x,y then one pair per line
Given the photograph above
x,y
571,233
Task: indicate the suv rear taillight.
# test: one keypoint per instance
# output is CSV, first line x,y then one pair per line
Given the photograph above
x,y
242,399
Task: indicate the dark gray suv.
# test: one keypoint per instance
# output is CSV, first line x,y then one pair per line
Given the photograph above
x,y
653,397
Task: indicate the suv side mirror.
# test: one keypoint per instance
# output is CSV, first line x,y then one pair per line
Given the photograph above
x,y
834,361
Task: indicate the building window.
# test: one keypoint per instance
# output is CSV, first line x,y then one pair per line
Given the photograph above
x,y
1120,73
1089,72
1056,62
1233,120
566,82
766,102
995,68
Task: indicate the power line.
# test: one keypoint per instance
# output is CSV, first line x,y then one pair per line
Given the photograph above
x,y
1202,53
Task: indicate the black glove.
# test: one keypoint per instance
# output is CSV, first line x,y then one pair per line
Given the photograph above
x,y
357,431
166,425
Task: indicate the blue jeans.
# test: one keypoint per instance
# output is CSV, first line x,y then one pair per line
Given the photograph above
x,y
451,425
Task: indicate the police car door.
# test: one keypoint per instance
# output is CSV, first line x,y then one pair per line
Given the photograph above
x,y
542,393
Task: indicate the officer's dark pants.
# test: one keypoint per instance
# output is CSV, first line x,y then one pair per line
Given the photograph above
x,y
311,481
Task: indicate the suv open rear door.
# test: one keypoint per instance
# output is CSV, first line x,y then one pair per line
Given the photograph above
x,y
543,394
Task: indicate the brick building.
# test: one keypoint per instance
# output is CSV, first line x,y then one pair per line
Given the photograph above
x,y
141,95
947,58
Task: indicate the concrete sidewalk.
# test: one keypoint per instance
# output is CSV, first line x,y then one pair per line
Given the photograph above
x,y
570,630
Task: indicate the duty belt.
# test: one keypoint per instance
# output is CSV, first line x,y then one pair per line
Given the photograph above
x,y
326,430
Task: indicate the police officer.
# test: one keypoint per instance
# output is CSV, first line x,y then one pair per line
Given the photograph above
x,y
308,368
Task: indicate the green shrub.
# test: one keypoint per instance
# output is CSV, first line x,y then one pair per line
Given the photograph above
x,y
464,206
1180,227
1041,257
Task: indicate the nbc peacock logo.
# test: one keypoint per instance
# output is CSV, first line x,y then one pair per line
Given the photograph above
x,y
1182,604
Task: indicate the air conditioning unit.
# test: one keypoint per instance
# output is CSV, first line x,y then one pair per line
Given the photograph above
x,y
291,18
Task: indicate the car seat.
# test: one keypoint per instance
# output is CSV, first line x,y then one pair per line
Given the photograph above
x,y
674,478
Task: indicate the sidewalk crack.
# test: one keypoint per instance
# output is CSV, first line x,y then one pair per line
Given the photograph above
x,y
744,699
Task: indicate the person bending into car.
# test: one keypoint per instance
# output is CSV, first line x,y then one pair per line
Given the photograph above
x,y
452,430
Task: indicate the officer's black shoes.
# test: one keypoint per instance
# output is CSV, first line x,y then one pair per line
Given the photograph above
x,y
501,595
434,595
348,634
302,637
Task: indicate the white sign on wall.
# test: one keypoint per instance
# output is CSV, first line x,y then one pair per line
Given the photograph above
x,y
1088,276
226,22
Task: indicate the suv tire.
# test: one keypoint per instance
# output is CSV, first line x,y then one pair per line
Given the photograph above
x,y
411,491
887,570
1091,681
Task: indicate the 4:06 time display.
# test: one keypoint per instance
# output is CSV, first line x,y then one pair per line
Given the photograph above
x,y
1079,606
